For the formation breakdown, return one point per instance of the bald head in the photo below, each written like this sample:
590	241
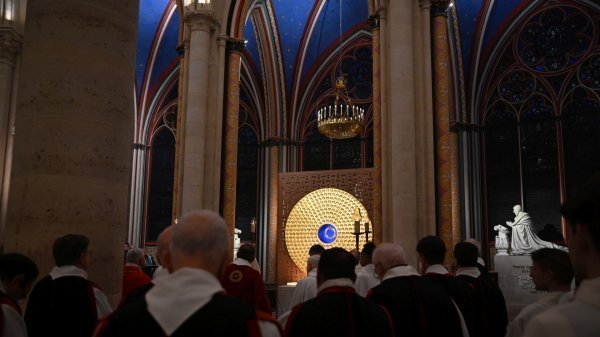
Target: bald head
200	240
388	255
162	248
135	256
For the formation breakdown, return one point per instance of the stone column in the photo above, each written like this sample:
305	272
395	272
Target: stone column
74	125
374	21
235	47
10	45
400	216
425	142
184	48
273	213
200	21
448	206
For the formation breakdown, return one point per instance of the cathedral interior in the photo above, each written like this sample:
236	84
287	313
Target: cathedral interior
117	117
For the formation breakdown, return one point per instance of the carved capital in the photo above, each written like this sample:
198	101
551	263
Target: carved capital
201	19
424	4
276	141
374	21
439	7
382	11
10	44
235	45
222	40
180	49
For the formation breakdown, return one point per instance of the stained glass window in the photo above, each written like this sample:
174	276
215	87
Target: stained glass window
539	155
315	151
160	196
581	138
502	162
542	115
247	181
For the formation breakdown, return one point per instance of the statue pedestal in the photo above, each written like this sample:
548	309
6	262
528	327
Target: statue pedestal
515	283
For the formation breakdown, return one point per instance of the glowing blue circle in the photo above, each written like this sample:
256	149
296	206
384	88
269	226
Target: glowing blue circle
327	233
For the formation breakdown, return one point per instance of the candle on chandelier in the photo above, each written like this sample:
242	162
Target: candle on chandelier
367	227
357	226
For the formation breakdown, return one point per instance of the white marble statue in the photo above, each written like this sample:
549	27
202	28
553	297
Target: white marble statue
524	240
501	240
236	241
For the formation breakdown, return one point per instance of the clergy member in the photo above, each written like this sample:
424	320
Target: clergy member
365	277
479	299
337	310
242	281
306	288
580	316
190	301
133	275
551	272
17	274
66	303
418	307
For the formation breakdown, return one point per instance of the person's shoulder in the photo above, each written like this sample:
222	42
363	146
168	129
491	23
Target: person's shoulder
549	322
137	294
306	281
231	308
131	317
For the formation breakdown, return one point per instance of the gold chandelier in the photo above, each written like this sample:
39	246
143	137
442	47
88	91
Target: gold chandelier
341	119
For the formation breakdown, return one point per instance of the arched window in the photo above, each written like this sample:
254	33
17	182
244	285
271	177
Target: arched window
246	205
160	195
542	115
318	151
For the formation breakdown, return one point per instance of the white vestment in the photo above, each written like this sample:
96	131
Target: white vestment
578	318
516	328
14	325
366	279
305	290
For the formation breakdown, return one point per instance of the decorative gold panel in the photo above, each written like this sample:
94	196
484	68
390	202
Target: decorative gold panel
295	186
326	206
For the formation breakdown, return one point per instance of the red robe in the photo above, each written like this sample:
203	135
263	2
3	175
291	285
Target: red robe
133	278
245	283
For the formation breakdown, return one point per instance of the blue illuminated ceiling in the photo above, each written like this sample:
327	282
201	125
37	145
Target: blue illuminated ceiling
158	32
308	29
480	24
313	25
252	46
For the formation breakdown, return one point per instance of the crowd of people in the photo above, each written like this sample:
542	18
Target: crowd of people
199	291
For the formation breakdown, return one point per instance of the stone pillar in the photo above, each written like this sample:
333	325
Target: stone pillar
448	204
425	142
10	45
200	22
235	47
399	188
374	21
183	48
74	125
273	213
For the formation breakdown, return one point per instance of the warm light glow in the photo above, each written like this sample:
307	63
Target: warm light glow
342	119
331	207
7	10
